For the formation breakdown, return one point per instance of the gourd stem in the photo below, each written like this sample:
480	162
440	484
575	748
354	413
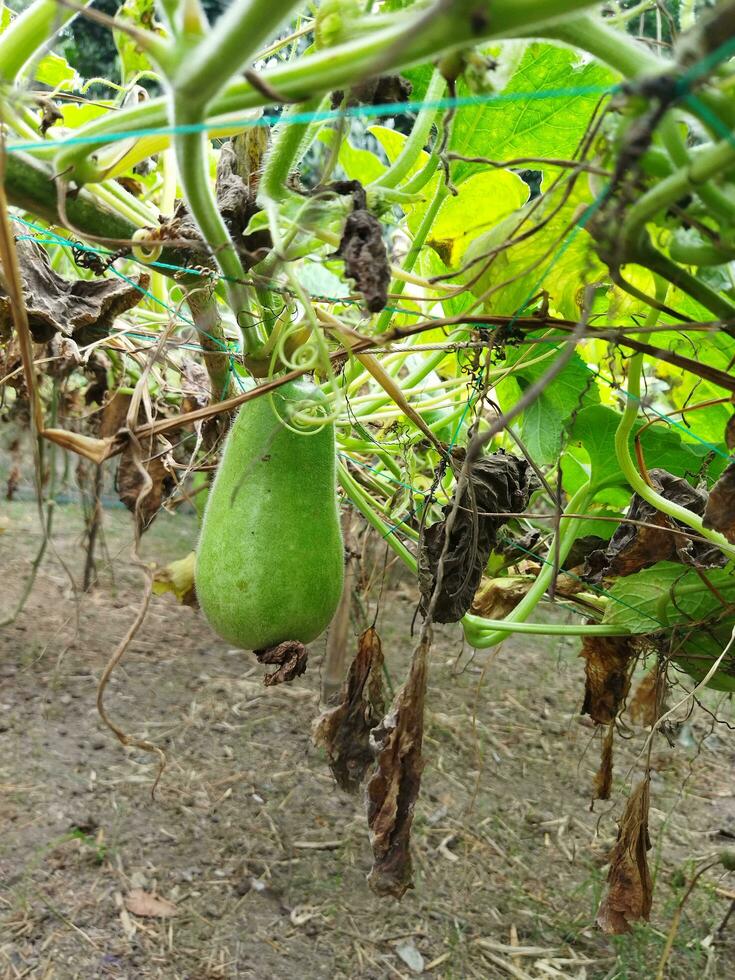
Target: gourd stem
397	286
193	165
418	137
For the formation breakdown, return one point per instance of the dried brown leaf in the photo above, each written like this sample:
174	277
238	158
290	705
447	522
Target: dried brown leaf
79	308
643	709
497	484
608	661
496	597
344	731
604	775
630	889
393	789
290	657
730	433
634	547
146	905
143	479
114	413
719	514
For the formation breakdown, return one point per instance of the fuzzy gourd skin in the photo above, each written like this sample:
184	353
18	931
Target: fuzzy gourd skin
270	561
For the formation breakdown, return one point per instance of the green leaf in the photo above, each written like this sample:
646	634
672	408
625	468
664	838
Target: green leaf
669	595
133	61
595	429
551	253
542	427
666	594
482	202
527	122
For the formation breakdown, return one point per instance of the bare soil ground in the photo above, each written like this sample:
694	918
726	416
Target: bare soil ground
264	859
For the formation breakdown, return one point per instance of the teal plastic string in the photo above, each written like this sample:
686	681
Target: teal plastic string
300	118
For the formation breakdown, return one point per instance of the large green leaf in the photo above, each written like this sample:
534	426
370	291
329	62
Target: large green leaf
551	253
542	426
595	427
669	595
527	121
482	202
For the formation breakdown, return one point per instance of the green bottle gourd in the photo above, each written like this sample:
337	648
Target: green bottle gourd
270	560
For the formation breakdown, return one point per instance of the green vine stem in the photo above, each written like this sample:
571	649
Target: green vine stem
417	139
680	277
226	48
482	633
628	467
397	286
453	26
685	180
29	32
193	165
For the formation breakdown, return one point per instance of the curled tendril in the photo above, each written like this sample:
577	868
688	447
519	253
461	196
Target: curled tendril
306	417
146	253
293	353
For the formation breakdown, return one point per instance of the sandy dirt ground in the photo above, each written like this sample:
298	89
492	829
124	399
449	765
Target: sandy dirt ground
252	864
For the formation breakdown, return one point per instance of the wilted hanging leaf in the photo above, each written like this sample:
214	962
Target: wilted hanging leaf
142	903
643	708
496	597
114	414
499	483
719	514
290	657
79	308
633	547
143	480
177	577
630	889
730	433
607	675
604	775
363	249
344	730
393	789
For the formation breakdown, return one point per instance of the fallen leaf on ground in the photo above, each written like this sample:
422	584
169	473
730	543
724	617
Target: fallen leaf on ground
149	906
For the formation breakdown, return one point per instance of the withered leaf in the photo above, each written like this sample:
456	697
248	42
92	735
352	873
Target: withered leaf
143	480
633	547
630	889
730	433
146	905
496	597
394	787
177	577
643	708
608	662
344	731
719	514
375	91
604	775
497	483
80	308
363	249
114	414
291	658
